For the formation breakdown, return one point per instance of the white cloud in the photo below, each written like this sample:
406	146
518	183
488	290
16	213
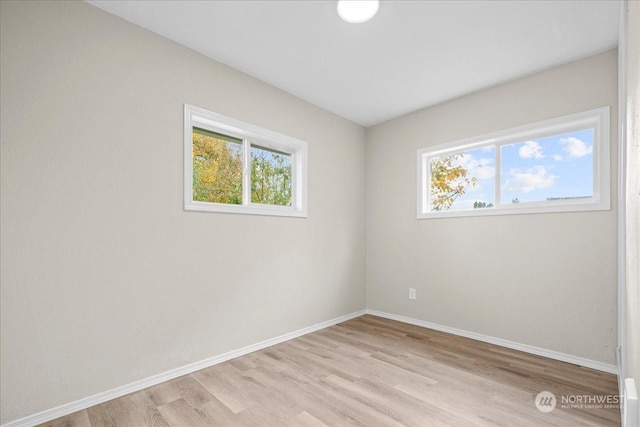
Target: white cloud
557	157
482	168
531	150
464	160
576	147
530	180
484	172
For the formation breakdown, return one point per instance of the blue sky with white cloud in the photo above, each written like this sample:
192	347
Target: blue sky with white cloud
559	166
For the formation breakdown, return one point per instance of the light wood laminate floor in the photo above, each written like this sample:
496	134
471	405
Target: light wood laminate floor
366	372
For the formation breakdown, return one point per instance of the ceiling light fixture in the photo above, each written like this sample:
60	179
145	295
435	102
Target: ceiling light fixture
357	11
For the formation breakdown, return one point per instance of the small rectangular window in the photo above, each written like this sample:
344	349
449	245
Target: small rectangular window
554	166
231	166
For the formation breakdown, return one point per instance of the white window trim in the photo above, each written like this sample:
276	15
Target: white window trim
250	134
598	119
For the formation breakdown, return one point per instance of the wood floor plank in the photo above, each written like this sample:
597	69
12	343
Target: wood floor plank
221	389
216	413
185	387
178	413
368	372
308	420
78	419
132	410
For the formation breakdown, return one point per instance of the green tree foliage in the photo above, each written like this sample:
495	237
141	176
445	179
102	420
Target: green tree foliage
270	177
217	169
448	181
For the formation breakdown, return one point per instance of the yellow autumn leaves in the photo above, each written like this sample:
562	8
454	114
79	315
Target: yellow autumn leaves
448	181
218	171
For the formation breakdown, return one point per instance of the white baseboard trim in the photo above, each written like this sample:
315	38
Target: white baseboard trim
69	408
588	363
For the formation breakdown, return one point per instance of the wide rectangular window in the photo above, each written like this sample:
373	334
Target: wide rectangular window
554	166
231	166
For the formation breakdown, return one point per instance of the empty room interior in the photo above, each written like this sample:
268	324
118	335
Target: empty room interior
277	213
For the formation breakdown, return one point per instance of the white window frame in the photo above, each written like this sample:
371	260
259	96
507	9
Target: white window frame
250	135
596	119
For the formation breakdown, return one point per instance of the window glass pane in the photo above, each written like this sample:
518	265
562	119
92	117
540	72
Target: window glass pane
270	176
463	180
217	168
558	167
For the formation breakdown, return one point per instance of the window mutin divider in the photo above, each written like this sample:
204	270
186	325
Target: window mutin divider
246	172
497	181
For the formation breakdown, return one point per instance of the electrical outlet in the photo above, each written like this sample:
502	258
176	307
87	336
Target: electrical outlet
412	293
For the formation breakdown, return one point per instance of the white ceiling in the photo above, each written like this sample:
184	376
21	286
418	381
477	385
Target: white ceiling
411	55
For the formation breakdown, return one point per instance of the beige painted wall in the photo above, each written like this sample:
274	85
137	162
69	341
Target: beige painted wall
545	280
105	278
